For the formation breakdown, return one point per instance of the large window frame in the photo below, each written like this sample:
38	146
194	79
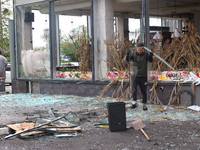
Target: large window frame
31	62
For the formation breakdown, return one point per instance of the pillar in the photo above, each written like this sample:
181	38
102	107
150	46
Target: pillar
126	28
26	30
103	30
120	26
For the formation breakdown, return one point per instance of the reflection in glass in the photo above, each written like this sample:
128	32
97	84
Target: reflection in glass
33	54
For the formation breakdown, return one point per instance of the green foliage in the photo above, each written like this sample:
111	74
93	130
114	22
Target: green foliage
8	59
6	15
69	45
67	49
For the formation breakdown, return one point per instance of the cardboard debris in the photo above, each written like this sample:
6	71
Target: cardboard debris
18	127
26	125
15	127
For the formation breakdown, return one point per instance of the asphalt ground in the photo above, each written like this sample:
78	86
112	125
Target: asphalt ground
167	127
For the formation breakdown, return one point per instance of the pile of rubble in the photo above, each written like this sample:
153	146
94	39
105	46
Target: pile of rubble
57	126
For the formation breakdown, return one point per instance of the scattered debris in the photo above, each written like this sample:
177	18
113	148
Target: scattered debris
194	107
101	125
20	127
27	129
90	110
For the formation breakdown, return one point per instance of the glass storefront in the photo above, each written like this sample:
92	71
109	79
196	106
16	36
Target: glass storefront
70	51
32	32
44	51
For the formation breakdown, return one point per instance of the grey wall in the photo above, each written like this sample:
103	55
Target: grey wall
93	89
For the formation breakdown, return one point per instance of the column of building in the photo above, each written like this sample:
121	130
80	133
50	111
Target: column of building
103	30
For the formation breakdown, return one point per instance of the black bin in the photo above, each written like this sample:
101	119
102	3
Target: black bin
116	116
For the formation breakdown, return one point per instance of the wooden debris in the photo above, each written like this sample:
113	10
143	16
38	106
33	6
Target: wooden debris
26	125
29	127
69	129
15	127
32	133
19	127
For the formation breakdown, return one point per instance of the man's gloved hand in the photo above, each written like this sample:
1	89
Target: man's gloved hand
150	54
128	51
